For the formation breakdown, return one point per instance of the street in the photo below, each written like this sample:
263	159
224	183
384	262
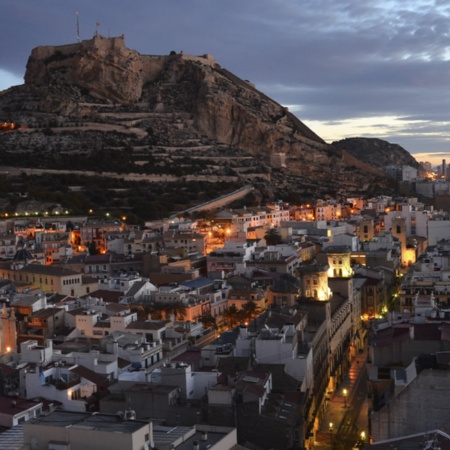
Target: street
349	414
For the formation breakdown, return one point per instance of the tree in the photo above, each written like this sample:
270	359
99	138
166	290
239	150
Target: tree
231	316
177	309
249	311
143	310
93	249
209	321
157	310
273	236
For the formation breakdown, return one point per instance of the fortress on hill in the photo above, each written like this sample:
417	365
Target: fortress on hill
104	66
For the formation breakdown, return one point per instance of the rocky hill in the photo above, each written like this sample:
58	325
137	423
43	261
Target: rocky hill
175	125
376	152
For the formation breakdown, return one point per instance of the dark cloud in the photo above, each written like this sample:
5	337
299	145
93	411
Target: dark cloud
329	61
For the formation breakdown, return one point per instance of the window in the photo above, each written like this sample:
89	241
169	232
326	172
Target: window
75	395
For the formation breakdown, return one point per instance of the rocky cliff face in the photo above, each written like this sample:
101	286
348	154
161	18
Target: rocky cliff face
172	114
376	152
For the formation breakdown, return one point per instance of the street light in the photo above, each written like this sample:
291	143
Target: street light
345	393
331	428
363	439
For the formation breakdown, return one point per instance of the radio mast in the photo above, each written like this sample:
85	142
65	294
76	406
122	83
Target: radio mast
78	28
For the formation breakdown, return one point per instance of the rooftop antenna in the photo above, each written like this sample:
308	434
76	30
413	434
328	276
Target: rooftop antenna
78	28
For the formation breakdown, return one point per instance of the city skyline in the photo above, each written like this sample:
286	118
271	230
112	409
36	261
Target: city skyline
345	70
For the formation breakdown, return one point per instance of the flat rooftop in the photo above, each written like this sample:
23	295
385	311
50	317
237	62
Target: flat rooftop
183	438
103	422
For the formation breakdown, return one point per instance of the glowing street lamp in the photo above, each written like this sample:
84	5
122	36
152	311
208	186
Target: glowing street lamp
345	393
363	439
331	428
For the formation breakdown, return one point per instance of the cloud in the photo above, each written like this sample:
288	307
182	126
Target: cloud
332	62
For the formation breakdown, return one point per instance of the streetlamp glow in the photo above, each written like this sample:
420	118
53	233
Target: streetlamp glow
345	393
363	439
331	428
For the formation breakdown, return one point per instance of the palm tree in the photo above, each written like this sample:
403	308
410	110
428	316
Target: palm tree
249	311
142	310
231	316
273	236
157	310
177	309
209	321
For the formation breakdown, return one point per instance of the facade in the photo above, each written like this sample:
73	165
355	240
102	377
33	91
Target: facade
190	241
314	281
57	279
285	291
339	261
366	229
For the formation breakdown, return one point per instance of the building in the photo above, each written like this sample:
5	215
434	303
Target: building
84	431
15	410
57	279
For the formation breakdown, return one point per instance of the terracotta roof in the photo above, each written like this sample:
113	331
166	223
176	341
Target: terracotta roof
389	335
427	331
147	325
53	270
233	364
190	356
446	331
6	370
14	405
90	375
107	296
48	312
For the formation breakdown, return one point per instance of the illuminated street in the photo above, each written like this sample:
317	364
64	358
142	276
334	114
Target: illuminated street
347	413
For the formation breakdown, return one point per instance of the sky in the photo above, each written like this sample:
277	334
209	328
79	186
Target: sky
345	68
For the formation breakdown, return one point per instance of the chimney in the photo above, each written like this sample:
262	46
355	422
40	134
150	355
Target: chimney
243	332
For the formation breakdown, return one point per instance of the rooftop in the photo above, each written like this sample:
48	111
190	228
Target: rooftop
102	422
416	441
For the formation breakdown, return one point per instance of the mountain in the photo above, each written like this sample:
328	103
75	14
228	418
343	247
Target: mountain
160	133
376	152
